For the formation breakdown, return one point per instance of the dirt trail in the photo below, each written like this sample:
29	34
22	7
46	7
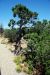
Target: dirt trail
6	62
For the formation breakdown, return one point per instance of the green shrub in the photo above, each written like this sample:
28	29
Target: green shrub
39	50
22	65
18	68
10	34
1	30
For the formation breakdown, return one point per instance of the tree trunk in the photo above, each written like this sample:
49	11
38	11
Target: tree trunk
18	41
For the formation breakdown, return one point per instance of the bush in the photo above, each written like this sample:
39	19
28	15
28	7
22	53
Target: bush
1	30
18	59
10	34
18	69
21	65
38	52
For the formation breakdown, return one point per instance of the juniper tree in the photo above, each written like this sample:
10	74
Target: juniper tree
25	16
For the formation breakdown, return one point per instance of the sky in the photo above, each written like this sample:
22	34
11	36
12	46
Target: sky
42	7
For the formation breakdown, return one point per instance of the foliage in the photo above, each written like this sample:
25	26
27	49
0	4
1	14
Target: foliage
21	65
19	59
1	29
38	27
10	34
23	13
38	49
11	23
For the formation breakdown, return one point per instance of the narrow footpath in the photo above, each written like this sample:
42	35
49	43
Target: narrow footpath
7	66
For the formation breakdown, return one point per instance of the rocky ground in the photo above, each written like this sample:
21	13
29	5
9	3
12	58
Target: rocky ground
7	65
